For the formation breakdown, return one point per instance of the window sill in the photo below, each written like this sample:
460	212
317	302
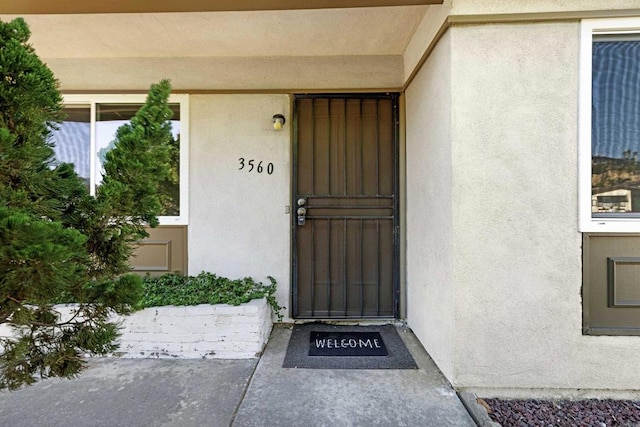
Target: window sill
610	226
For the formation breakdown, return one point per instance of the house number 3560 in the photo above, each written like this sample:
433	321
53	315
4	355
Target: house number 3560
255	166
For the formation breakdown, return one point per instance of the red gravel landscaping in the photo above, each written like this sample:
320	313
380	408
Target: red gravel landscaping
560	413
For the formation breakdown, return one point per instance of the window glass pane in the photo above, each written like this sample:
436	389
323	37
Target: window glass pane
109	117
73	140
615	133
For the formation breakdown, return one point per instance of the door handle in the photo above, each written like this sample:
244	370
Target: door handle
302	211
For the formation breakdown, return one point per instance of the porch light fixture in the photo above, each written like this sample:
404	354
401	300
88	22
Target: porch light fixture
278	121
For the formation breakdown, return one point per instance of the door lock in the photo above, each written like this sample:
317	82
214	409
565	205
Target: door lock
302	211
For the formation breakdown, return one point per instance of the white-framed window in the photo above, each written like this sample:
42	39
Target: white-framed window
609	126
88	133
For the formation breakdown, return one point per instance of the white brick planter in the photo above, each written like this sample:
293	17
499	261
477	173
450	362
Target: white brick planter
202	331
188	332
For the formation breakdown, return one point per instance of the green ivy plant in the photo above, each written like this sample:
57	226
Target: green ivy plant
207	288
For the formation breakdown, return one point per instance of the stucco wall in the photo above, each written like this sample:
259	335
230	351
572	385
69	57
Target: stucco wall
517	251
230	73
424	35
470	7
238	225
429	256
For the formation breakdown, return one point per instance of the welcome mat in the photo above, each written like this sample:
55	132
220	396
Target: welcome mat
346	344
335	352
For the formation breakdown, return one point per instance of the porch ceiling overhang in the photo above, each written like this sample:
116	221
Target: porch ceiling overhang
161	6
277	49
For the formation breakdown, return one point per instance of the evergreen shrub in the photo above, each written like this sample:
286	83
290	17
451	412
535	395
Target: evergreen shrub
56	240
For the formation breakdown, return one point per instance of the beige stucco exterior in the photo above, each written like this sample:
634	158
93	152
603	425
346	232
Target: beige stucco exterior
429	212
225	74
507	262
517	258
502	135
239	224
492	265
353	48
472	7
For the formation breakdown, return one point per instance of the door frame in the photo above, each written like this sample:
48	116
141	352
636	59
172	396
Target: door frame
395	97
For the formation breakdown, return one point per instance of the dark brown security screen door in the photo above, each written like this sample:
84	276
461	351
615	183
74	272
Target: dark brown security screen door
345	261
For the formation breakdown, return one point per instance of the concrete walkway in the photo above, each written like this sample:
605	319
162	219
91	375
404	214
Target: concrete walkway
150	392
